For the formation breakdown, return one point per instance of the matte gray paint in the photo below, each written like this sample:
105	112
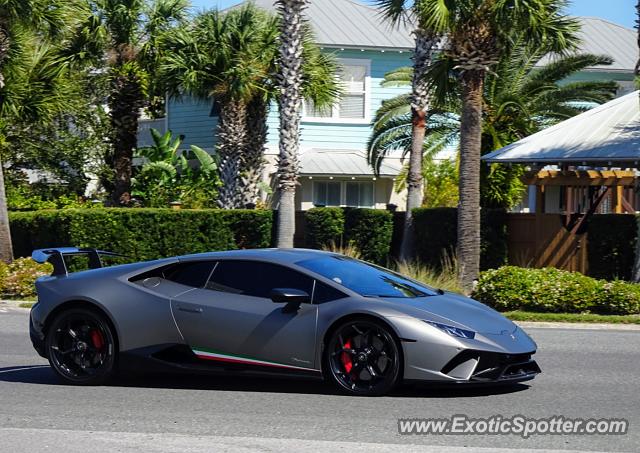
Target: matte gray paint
171	313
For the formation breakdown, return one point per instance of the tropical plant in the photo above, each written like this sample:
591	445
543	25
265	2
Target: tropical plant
171	174
441	188
123	36
25	58
425	41
519	99
478	33
231	58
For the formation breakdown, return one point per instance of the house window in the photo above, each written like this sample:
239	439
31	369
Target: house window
357	194
326	193
352	105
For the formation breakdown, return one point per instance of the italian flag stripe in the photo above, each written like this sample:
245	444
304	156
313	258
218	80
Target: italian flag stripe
208	354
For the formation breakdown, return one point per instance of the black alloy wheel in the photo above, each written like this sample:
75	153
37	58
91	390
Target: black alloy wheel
363	358
81	347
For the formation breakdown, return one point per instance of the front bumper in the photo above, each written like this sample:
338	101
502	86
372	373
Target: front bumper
491	367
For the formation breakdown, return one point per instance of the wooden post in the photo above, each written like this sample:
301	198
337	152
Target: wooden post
618	195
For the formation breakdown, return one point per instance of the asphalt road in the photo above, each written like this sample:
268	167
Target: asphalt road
586	374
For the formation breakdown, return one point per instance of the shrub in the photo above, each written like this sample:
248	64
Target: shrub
142	234
611	245
553	290
17	279
369	230
436	235
324	226
445	278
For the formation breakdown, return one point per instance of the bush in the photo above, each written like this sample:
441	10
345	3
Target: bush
370	232
17	279
611	245
436	233
552	290
324	227
141	234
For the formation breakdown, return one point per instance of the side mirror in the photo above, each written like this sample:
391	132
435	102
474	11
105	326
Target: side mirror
291	296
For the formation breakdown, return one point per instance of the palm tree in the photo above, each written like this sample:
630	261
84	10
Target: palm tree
19	19
478	33
425	42
519	99
231	57
124	36
290	102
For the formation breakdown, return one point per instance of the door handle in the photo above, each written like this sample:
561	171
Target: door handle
190	309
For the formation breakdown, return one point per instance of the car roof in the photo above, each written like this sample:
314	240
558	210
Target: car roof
274	255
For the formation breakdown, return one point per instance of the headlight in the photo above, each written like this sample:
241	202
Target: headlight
453	331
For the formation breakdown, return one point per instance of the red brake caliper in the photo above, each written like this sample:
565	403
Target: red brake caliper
97	339
345	357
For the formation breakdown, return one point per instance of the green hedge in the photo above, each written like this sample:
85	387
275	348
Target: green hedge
142	234
324	226
552	290
611	245
436	235
369	230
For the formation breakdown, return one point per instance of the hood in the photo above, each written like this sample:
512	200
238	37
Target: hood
458	309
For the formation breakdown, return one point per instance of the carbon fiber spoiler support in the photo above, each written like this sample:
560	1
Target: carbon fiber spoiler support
55	256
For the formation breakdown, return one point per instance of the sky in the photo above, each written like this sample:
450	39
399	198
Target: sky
619	11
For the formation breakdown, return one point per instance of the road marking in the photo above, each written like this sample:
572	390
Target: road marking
19	440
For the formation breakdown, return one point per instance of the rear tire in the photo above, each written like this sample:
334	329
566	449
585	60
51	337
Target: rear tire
81	347
363	357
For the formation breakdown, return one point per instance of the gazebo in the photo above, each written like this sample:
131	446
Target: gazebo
585	165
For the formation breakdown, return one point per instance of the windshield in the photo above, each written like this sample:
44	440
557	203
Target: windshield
366	279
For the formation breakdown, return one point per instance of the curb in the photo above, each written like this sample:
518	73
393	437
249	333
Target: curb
579	326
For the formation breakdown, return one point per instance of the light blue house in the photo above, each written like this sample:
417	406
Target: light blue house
333	144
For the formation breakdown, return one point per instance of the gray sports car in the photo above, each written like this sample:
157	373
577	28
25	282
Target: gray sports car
362	327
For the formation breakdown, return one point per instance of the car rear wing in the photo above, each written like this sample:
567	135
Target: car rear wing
55	256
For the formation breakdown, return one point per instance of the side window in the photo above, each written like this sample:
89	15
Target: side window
325	293
254	278
193	273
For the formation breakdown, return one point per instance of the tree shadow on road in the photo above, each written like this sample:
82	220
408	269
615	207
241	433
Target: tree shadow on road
44	375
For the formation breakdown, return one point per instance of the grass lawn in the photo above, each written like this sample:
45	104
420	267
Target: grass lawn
572	317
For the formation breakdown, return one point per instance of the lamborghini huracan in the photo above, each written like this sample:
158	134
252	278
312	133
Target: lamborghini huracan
361	327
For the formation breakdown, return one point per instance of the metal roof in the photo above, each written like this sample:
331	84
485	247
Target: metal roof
346	23
607	135
342	163
601	37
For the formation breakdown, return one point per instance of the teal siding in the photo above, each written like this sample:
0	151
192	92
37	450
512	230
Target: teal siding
190	117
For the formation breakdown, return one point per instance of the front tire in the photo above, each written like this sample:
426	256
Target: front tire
363	357
81	347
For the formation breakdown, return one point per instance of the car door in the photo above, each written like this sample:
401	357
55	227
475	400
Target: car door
232	319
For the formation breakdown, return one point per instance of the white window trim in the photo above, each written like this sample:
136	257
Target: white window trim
343	192
334	118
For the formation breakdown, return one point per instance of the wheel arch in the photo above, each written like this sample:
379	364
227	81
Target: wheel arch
361	316
86	304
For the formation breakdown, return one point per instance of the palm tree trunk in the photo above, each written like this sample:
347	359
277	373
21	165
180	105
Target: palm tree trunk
424	42
468	250
232	139
6	248
253	159
125	101
290	101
